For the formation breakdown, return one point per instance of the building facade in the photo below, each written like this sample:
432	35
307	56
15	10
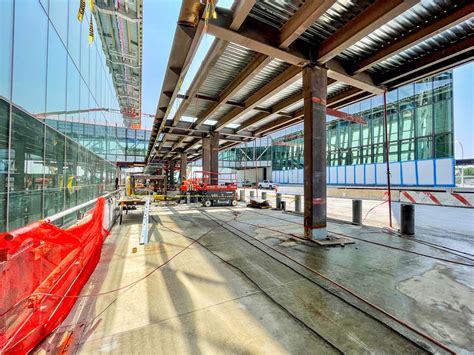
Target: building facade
112	142
56	96
420	136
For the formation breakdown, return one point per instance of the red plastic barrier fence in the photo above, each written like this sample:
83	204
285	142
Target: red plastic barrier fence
42	270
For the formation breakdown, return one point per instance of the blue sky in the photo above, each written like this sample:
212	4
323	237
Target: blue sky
159	25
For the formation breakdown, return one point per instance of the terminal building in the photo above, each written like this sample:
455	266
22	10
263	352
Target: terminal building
420	135
302	184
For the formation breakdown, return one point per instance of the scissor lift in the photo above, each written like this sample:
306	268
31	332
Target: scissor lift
212	189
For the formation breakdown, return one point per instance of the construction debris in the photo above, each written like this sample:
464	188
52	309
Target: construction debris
259	203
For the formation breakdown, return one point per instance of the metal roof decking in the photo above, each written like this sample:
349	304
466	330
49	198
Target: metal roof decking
367	46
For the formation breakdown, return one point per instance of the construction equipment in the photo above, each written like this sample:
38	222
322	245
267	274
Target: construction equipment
211	189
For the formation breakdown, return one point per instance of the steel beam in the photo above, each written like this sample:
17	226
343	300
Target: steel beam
288	77
426	31
361	81
369	20
251	39
253	68
441	59
241	9
315	91
306	15
185	42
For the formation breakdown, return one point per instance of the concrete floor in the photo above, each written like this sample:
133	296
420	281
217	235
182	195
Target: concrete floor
231	294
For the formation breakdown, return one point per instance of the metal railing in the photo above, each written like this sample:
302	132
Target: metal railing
110	212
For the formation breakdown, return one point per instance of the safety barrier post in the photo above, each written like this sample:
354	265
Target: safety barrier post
297	203
357	212
407	216
242	195
146	218
278	201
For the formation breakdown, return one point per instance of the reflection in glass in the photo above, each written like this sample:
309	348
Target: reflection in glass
57	59
29	76
6	27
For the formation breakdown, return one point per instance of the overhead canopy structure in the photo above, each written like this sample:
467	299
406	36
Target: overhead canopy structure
120	28
250	85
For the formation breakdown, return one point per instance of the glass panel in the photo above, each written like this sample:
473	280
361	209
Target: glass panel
85	49
367	155
393	152
444	146
84	102
74	40
73	88
424	148
443	86
57	59
71	173
443	116
54	173
379	153
4	113
6	27
407	125
44	3
27	170
378	131
392	127
58	14
406	95
424	92
355	135
407	150
424	121
29	76
343	134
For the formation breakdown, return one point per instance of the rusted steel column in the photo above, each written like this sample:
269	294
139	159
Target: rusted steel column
206	158
171	174
315	90
214	159
184	166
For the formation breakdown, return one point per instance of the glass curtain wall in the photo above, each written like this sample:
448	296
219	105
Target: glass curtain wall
419	122
116	144
49	69
262	152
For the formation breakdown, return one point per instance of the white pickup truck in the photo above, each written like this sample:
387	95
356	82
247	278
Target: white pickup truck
266	184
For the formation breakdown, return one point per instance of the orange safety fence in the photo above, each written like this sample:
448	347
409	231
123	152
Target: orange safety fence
42	271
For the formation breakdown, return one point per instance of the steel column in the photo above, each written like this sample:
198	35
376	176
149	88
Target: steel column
171	174
214	158
184	166
315	92
206	156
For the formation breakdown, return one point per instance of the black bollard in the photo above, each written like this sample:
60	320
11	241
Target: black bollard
407	216
298	203
278	201
357	212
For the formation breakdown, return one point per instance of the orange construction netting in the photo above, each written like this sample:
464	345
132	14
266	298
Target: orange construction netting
42	270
